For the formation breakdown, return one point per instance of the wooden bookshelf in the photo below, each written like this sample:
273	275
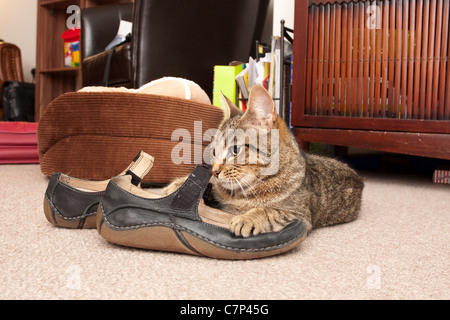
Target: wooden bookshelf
52	77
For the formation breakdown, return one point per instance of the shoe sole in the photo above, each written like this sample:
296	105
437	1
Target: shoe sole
88	222
162	238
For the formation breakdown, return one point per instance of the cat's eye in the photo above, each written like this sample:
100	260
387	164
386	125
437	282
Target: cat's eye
234	150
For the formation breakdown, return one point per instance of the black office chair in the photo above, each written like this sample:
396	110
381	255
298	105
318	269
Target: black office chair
181	38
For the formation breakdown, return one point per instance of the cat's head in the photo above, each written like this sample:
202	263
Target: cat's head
246	143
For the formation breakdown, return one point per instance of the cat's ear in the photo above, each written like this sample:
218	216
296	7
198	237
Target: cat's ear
261	109
229	109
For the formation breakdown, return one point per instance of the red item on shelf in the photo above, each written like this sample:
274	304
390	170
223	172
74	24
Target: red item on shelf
71	47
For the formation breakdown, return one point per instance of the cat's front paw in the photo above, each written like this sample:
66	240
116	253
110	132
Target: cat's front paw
252	222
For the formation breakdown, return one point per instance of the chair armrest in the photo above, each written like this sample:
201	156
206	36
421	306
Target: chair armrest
99	26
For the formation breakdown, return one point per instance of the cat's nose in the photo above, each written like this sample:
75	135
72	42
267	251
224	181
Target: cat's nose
216	169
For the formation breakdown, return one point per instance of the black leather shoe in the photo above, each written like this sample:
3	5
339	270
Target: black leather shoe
72	203
181	222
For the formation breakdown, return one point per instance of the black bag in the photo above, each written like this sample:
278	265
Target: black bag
18	101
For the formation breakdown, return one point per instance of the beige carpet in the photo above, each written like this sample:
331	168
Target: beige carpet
399	248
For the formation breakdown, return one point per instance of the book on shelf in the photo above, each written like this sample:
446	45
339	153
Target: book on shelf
235	82
242	83
225	82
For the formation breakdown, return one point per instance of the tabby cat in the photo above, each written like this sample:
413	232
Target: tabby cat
267	181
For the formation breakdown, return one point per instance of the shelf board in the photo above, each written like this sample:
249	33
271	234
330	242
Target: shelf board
56	4
66	70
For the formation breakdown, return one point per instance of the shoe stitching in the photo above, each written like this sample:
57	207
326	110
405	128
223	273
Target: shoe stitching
178	227
174	194
70	218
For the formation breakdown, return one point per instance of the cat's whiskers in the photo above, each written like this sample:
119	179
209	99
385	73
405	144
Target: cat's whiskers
242	189
229	186
232	187
253	177
250	188
260	180
244	184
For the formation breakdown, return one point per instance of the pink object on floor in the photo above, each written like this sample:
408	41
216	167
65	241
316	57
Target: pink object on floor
441	176
18	142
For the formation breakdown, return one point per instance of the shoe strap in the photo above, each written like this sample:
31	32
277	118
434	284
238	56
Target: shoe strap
191	192
140	167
